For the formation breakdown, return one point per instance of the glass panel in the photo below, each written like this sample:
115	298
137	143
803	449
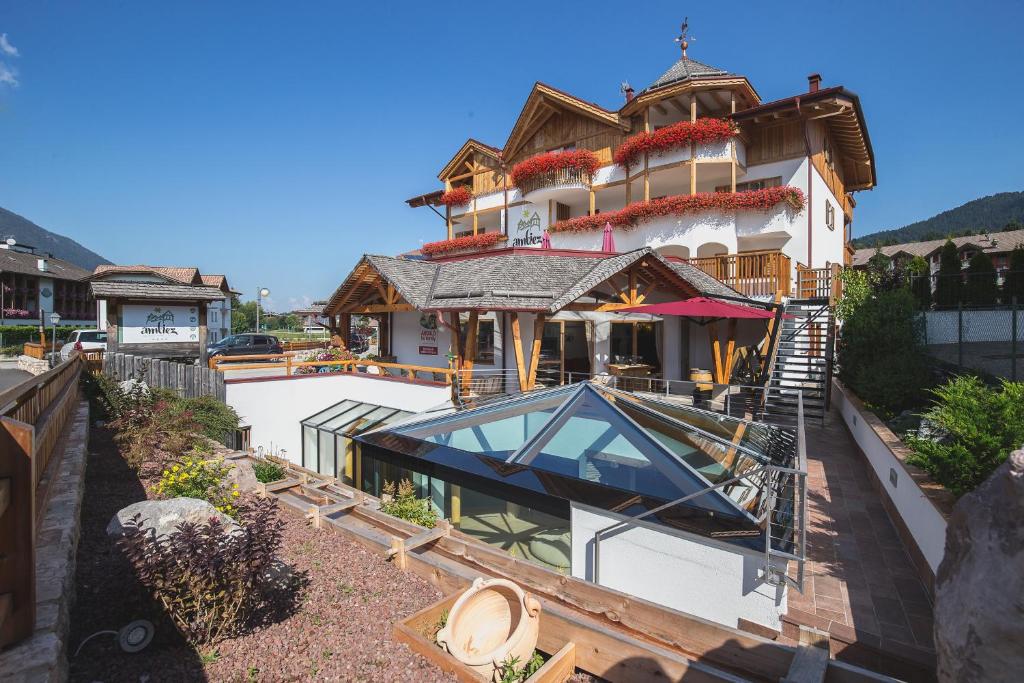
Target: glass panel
647	335
309	448
342	419
359	423
345	454
328	412
498	438
621	342
326	454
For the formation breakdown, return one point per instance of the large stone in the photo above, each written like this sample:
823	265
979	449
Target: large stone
241	473
979	610
163	516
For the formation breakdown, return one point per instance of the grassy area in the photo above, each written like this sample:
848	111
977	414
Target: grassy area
285	335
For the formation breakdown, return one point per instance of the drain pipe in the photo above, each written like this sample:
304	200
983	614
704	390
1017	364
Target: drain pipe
810	188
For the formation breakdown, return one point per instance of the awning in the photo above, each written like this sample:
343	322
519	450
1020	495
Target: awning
703	310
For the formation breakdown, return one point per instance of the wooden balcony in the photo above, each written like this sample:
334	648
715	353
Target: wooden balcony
753	273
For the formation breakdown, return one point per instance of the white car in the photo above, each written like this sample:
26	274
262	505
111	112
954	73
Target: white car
84	340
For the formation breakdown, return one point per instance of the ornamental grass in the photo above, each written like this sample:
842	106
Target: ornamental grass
640	212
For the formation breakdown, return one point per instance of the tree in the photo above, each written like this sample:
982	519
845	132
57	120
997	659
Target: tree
948	286
1014	284
243	315
982	288
920	282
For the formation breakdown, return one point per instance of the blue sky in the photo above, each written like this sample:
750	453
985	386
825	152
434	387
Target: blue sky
276	142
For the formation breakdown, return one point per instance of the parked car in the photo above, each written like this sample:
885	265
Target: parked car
245	345
84	340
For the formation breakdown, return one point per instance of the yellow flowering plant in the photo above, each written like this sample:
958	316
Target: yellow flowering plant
203	478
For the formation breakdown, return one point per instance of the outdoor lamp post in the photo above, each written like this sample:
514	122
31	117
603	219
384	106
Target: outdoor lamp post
263	292
54	320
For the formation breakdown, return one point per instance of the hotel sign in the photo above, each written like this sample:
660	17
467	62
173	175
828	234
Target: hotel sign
143	324
428	334
529	230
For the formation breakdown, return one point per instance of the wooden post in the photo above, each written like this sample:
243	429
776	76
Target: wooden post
469	356
716	348
647	172
202	333
538	334
112	305
732	169
345	329
730	346
476	223
593	203
693	146
517	345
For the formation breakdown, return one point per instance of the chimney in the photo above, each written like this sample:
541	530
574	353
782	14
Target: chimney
42	265
814	82
627	90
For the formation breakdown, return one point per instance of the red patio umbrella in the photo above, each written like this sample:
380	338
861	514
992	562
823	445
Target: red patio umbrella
545	240
608	243
704	310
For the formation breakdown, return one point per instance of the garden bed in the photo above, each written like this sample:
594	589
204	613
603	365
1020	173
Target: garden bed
340	631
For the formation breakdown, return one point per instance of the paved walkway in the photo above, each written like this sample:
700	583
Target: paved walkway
861	584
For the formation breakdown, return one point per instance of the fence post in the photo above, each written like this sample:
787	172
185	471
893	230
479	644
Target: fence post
960	333
1013	339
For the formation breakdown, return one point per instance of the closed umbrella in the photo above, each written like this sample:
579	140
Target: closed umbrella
608	243
545	241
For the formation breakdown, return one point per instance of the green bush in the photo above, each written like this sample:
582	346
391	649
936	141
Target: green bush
880	352
1014	284
267	471
920	282
17	335
215	419
981	427
949	283
981	287
405	505
202	478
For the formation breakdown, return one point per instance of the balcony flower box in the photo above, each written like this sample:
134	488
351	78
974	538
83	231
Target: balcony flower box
467	243
677	205
569	167
457	196
673	137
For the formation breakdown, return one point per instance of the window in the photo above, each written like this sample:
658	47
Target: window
98	337
484	341
562	212
635	341
827	149
751	185
830	215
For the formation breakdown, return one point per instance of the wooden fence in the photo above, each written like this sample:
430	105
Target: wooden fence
32	416
186	380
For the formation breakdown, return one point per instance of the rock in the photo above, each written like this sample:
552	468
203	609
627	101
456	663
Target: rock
129	385
979	614
164	516
242	474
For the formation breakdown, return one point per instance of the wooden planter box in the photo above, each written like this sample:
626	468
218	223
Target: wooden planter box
37	351
417	631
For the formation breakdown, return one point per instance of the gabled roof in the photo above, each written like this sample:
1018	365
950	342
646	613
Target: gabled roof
684	70
994	243
510	279
187	275
26	263
112	289
543	101
468	147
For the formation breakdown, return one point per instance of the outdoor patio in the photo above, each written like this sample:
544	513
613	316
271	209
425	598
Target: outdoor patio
861	585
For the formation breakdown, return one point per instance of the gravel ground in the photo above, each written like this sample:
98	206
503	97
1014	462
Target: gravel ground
341	631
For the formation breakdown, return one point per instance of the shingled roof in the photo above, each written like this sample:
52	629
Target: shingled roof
684	70
187	275
993	243
514	279
12	261
113	289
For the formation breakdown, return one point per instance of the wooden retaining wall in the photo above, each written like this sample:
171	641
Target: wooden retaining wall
186	380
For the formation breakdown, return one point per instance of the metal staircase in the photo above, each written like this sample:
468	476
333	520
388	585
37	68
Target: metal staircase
803	360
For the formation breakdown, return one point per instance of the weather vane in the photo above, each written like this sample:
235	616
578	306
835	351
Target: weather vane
682	39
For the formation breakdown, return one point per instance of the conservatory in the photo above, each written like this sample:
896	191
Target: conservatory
520	471
327	435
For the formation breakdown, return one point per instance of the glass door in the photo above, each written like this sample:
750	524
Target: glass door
564	352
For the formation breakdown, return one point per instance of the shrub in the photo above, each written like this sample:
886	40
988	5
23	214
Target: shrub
981	288
949	281
981	427
267	471
920	282
150	433
510	672
880	353
214	418
213	584
856	290
195	477
1014	284
405	505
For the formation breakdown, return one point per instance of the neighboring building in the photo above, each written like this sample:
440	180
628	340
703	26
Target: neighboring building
156	311
218	313
35	281
997	245
313	318
796	161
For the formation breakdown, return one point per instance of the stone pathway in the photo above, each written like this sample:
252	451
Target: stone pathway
861	585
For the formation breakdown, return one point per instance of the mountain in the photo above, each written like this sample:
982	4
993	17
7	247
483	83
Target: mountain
28	233
996	213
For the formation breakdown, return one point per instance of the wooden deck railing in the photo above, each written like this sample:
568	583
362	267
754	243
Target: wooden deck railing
818	283
32	416
754	273
283	361
563	176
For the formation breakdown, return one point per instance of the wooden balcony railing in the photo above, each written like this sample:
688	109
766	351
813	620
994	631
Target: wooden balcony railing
564	176
818	283
753	273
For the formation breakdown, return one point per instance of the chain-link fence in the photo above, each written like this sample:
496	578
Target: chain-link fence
989	339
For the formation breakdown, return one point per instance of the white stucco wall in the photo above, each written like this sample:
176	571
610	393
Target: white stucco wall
275	407
692	574
919	514
408	336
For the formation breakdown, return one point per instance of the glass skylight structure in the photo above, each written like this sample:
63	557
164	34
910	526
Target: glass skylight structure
327	435
590	444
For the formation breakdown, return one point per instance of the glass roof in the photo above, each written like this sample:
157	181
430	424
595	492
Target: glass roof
349	417
598	435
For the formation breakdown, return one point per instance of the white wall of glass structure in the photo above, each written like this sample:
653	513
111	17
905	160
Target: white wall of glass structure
694	574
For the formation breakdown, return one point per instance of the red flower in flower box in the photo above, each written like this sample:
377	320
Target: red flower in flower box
481	241
533	172
672	137
641	212
457	196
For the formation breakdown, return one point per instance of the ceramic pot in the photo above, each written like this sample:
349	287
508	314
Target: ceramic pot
492	622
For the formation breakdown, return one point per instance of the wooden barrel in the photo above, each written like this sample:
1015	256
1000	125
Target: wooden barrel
702	377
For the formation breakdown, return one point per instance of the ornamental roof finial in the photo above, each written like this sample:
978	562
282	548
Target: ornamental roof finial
682	39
